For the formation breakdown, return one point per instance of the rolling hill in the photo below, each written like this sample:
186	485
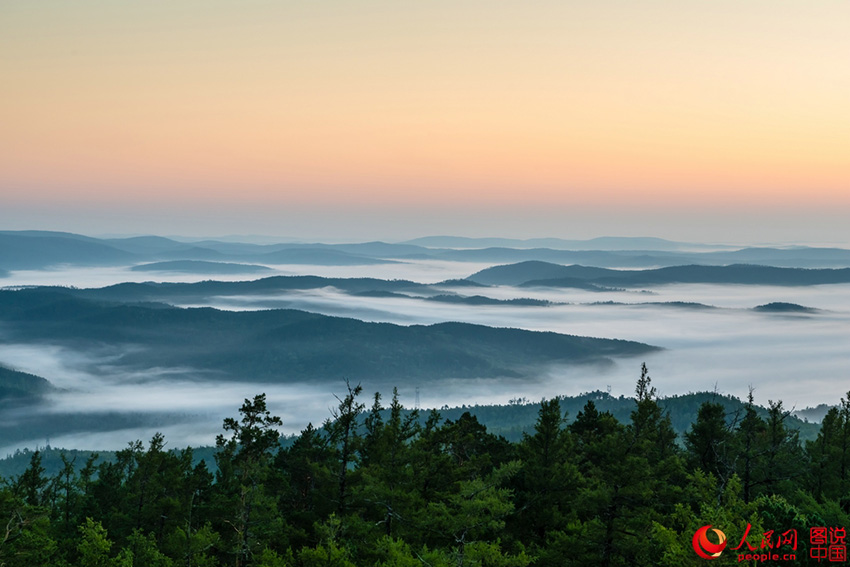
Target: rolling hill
200	267
557	275
18	386
289	345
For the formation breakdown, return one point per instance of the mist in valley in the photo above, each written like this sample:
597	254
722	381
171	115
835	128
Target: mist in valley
712	340
719	342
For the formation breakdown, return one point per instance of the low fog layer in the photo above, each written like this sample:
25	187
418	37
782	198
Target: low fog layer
801	359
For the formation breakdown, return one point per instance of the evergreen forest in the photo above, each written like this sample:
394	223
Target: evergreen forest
378	485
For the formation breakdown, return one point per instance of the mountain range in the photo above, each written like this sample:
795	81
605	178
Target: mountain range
545	274
30	250
288	345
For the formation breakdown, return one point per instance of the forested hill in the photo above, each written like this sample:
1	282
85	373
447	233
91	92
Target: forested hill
380	486
288	345
26	250
512	421
200	266
534	273
169	291
517	418
18	386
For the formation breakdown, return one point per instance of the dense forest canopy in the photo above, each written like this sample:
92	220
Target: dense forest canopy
381	485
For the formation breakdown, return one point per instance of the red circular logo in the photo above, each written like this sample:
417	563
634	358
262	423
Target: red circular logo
705	548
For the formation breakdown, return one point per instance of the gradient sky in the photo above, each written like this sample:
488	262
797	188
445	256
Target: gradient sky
722	120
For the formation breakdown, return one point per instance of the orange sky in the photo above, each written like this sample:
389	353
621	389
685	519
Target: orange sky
661	103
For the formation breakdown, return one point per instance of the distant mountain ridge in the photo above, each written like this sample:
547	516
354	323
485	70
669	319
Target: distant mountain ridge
29	250
783	307
32	250
795	258
599	243
522	272
20	386
288	345
556	275
168	291
200	267
22	252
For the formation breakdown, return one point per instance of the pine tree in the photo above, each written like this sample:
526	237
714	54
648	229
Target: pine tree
387	486
306	480
243	461
710	444
750	435
830	454
344	435
631	475
32	482
548	481
94	546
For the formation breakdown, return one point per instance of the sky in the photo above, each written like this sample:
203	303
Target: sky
339	120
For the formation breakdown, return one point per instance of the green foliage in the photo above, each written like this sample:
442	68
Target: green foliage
710	443
386	485
32	483
94	545
477	510
193	546
330	552
672	540
306	483
270	558
141	550
829	472
548	481
490	554
25	535
391	488
343	435
244	460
